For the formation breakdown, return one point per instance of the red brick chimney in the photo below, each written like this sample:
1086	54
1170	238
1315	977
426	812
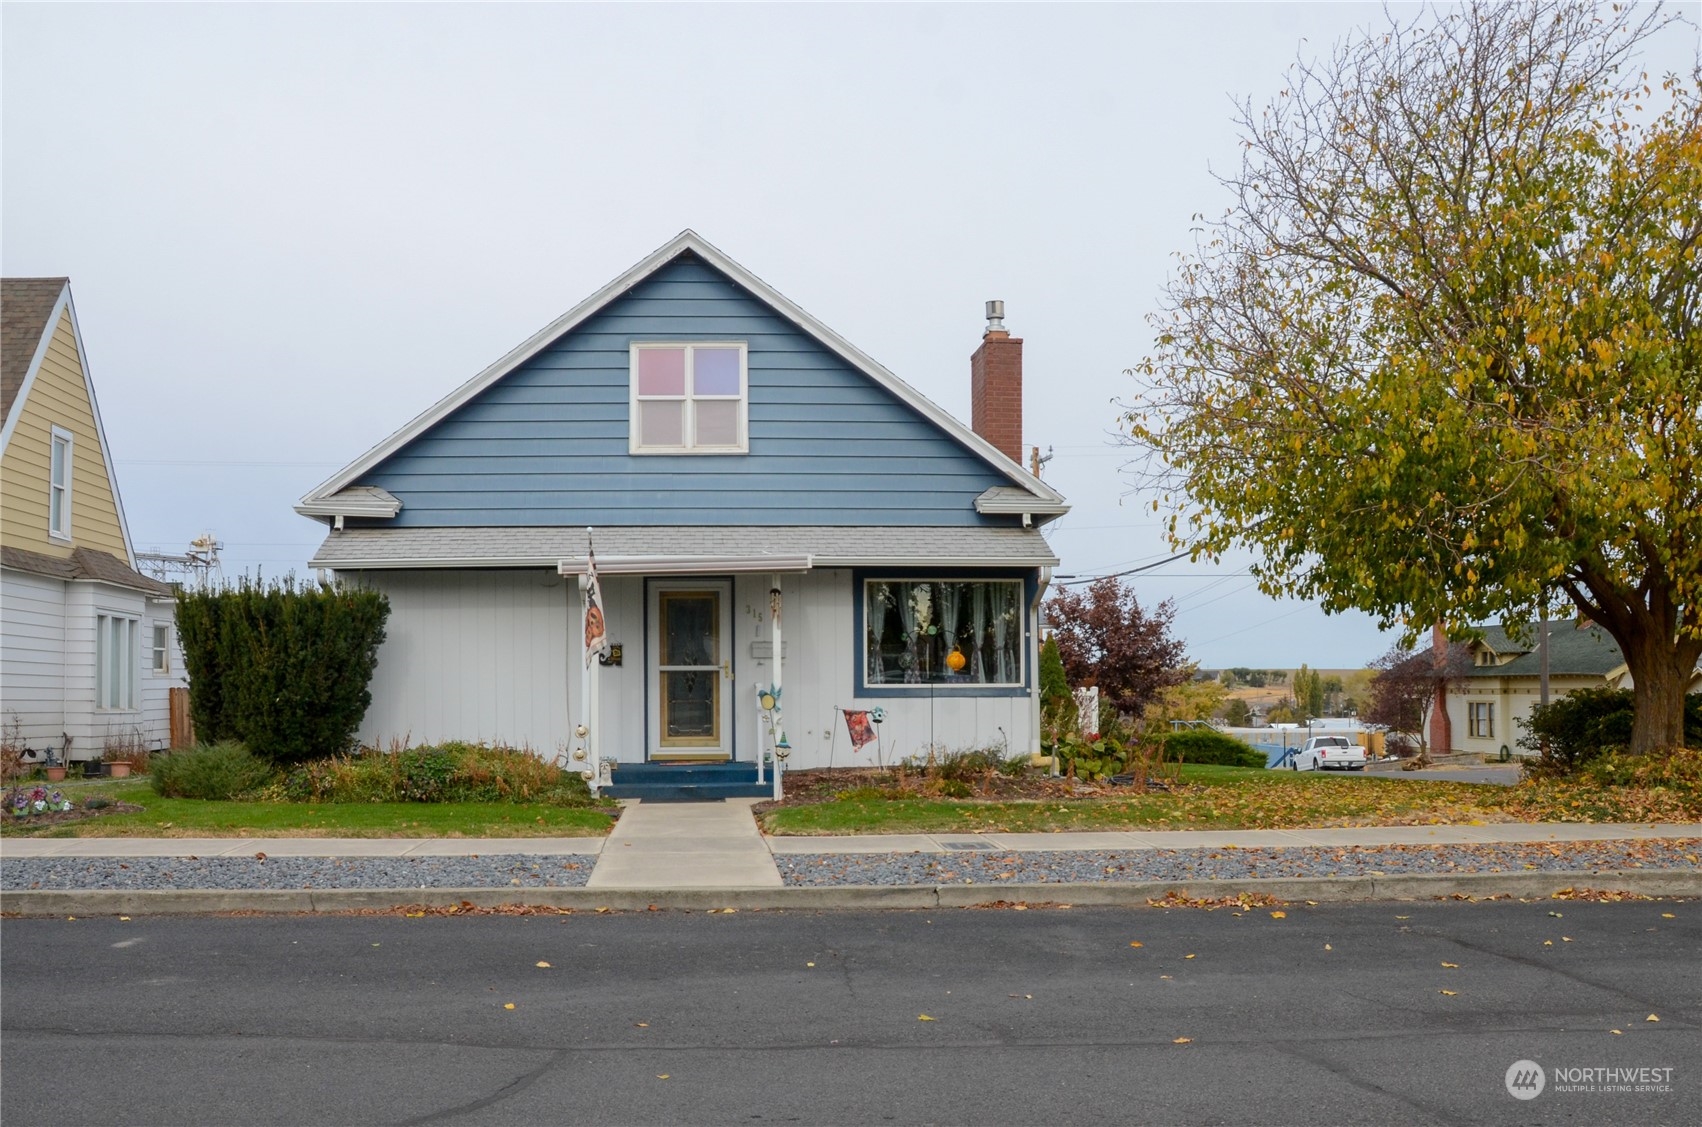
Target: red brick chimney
1441	727
995	386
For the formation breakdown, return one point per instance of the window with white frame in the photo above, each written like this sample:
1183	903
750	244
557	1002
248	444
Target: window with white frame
690	398
1481	719
161	648
115	661
59	484
943	632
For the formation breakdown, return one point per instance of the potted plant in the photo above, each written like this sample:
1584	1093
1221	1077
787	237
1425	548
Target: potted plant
124	754
53	767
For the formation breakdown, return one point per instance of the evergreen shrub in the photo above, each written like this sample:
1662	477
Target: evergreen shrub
280	668
216	772
1197	745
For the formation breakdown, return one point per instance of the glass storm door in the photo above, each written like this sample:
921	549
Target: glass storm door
690	671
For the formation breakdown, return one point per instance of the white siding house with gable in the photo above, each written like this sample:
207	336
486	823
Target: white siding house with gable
722	444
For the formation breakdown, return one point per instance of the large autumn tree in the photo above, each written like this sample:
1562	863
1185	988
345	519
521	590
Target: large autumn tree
1441	358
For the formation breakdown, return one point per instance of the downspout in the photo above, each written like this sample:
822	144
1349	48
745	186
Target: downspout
1034	661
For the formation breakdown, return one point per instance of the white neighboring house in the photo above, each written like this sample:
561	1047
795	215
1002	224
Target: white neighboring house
724	444
88	648
1488	708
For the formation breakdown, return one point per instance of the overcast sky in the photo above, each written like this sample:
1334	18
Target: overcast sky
289	229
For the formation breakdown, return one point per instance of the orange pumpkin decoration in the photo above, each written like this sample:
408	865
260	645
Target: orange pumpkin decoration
955	661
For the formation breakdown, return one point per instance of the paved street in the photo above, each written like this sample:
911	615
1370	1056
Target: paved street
1338	1013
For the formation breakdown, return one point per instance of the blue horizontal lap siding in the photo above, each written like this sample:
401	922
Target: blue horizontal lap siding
547	444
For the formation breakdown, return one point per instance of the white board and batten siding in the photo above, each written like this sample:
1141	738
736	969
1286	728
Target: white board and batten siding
480	656
495	656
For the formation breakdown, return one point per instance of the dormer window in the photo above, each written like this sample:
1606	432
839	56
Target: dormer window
690	398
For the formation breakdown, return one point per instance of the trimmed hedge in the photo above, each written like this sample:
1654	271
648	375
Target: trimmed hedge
1197	745
281	669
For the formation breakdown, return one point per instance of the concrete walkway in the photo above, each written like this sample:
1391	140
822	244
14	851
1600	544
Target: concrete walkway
674	845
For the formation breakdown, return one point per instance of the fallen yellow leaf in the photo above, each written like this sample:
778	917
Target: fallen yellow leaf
661	1076
1327	947
1617	1032
1187	956
1565	939
1652	1017
642	1024
123	917
1450	993
1548	943
1136	943
1183	1041
1668	916
1452	966
1279	915
923	1017
809	964
541	963
508	1005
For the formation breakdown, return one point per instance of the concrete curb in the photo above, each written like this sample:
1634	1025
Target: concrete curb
1132	894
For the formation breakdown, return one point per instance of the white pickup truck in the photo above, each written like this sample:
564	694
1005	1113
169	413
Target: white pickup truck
1324	752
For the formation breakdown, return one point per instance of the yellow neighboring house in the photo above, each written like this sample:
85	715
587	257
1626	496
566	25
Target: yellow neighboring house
88	650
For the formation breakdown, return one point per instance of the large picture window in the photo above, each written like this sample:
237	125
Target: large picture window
689	398
913	628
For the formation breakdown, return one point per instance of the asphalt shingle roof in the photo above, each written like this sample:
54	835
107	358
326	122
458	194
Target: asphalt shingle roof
87	564
1571	650
831	545
25	305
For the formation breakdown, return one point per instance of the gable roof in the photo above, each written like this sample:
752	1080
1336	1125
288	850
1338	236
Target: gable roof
1574	650
1048	501
39	304
27	306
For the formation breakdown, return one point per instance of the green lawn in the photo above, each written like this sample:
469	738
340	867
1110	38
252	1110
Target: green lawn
186	817
1238	798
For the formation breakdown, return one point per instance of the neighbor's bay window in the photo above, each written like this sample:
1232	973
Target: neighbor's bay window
689	398
913	627
115	661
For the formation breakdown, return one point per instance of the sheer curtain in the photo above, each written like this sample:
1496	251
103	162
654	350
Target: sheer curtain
874	616
948	622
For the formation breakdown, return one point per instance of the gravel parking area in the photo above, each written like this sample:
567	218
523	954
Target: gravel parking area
831	869
131	873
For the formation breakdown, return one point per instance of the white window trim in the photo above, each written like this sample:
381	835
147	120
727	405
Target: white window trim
159	656
129	670
688	423
57	435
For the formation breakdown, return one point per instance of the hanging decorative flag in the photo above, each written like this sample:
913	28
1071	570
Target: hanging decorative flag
862	732
596	631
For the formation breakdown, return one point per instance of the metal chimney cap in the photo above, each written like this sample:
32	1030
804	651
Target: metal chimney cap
995	316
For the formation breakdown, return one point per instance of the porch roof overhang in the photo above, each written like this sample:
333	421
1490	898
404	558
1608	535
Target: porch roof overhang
685	565
750	548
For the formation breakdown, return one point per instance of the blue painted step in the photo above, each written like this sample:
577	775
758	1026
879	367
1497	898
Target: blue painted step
686	782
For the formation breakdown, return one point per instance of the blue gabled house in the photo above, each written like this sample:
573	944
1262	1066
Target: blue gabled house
724	445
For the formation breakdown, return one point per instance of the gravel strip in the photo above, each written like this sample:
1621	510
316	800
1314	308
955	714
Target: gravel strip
128	873
817	870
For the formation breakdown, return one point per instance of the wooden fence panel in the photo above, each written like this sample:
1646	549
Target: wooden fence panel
182	727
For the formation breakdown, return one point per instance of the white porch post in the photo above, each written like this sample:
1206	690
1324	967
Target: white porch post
780	746
587	729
